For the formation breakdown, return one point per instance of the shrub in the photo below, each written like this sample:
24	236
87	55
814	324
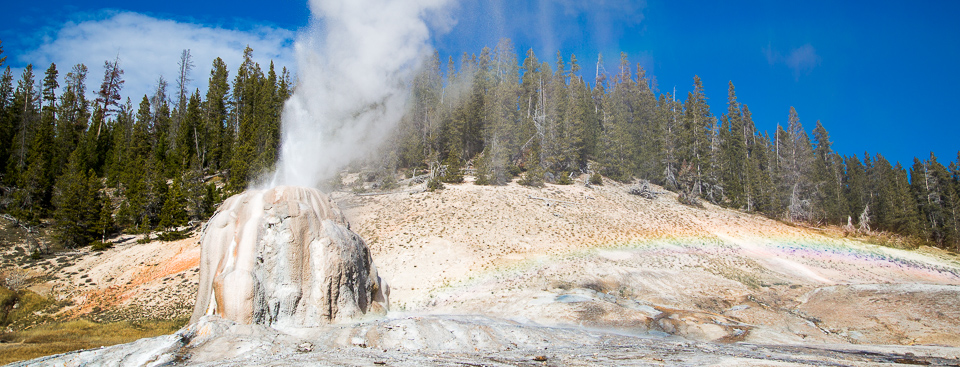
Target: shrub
434	184
596	179
533	177
513	170
100	246
171	236
453	173
15	279
689	199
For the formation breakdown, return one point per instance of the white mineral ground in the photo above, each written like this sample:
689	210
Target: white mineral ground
577	275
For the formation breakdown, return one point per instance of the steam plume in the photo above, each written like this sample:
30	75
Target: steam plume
354	65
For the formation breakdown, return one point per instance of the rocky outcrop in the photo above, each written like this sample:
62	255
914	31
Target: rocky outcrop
285	258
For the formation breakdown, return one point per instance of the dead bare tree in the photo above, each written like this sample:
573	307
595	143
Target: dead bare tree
865	220
15	279
183	78
109	94
644	189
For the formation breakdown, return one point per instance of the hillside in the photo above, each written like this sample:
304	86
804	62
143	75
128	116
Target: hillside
599	257
588	257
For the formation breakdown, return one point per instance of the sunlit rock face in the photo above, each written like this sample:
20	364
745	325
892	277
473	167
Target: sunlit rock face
285	257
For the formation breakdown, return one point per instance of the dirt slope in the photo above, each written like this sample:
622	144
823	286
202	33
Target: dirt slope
131	281
600	257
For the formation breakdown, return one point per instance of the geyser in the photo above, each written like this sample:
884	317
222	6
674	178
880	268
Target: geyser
355	65
285	257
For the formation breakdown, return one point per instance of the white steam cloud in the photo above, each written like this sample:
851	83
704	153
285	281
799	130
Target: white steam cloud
354	67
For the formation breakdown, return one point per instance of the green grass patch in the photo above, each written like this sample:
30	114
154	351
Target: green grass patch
62	337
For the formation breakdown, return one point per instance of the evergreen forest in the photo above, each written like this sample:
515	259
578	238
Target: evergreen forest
90	169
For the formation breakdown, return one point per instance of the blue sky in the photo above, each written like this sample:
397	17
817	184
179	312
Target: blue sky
881	76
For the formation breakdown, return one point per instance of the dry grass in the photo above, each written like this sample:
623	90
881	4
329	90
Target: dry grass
55	338
19	307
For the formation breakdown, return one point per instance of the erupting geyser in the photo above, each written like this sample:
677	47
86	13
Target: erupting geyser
354	68
285	257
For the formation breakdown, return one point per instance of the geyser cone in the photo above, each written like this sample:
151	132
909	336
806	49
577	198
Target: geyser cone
285	257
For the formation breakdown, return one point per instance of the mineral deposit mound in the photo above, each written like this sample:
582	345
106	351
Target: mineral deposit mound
286	257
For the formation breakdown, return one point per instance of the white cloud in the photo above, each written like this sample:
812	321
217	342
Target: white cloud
149	47
802	60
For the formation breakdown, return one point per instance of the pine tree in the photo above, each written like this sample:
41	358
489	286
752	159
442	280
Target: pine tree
174	213
269	106
796	166
955	171
472	112
119	156
452	122
500	114
530	128
427	91
554	114
881	192
649	154
696	137
453	173
219	133
72	116
33	197
188	139
890	200
827	179
24	111
762	170
132	211
246	98
159	123
7	126
671	123
942	207
750	173
856	187
598	97
906	222
77	204
620	130
734	153
579	121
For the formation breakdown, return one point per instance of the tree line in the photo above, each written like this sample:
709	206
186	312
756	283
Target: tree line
98	167
91	168
542	122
